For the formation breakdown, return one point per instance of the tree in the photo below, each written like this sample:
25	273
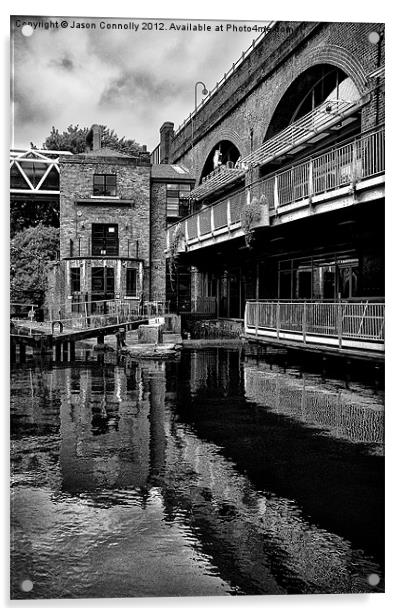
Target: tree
74	140
29	213
31	252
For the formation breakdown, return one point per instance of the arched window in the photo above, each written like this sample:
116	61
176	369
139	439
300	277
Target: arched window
310	89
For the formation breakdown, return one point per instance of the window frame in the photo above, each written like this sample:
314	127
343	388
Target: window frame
103	191
131	291
176	195
100	245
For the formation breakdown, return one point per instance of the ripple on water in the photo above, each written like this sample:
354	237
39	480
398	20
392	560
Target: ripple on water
123	485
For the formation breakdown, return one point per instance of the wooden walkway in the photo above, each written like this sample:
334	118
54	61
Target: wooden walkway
37	337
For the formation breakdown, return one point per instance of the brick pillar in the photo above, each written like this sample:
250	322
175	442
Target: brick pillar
166	138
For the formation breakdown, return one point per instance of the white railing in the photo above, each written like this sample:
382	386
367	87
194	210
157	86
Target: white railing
341	166
316	121
344	323
79	315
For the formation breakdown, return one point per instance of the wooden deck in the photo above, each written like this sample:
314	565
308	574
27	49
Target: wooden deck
37	337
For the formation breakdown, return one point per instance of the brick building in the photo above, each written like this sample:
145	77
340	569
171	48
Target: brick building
113	214
288	156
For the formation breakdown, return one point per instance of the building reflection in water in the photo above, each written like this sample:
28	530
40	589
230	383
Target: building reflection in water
349	415
115	437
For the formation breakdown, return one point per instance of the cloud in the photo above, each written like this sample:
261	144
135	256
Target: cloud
63	63
130	81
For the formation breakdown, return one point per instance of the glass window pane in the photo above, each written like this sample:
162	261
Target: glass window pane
131	281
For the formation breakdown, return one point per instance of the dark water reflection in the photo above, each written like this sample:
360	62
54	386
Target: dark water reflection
209	475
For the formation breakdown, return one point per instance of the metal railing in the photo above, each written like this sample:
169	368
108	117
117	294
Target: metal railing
82	247
316	121
81	313
155	155
204	305
341	166
22	311
360	321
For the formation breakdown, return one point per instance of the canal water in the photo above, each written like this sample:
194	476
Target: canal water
212	474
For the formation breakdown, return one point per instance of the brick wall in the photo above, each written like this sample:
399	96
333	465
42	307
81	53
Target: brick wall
249	97
55	290
158	244
133	184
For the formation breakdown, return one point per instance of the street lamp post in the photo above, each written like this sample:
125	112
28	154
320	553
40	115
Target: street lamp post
204	92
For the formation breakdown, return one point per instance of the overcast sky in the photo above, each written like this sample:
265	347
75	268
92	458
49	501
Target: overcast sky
131	81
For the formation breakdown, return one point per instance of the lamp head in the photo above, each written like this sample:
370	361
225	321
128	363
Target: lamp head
204	91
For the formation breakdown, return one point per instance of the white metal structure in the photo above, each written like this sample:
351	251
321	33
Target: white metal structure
350	325
309	129
326	182
35	172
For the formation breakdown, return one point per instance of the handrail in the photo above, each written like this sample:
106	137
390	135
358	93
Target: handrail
348	161
314	122
342	321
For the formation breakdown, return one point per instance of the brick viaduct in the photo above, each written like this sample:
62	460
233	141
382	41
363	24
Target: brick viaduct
246	101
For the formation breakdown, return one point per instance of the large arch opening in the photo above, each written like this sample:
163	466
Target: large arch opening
223	153
323	83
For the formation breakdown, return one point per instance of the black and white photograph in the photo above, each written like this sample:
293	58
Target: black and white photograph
197	307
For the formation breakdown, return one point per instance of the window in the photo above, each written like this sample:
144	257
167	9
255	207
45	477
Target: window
75	280
177	200
131	281
105	185
103	282
104	240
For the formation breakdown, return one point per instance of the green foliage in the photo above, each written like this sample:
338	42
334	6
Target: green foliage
173	254
74	140
250	215
31	213
31	252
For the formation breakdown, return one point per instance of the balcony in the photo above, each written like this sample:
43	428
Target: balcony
219	177
348	326
81	248
309	129
322	183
